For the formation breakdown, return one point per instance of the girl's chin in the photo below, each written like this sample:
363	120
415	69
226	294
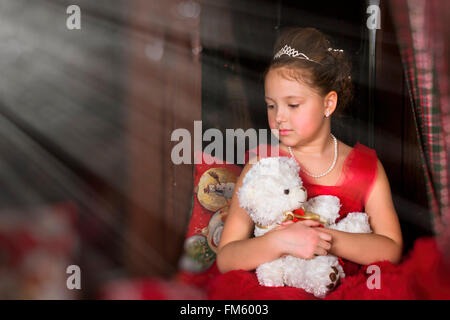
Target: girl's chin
288	138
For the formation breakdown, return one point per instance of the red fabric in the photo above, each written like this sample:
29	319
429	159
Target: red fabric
423	275
198	280
244	285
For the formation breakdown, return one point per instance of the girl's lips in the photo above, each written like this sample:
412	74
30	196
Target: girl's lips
284	132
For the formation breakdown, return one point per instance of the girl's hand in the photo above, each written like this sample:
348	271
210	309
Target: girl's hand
302	239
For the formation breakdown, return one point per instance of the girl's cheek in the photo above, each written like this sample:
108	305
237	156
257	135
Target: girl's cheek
272	124
300	122
271	120
303	124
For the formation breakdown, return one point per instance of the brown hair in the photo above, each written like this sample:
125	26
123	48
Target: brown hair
331	70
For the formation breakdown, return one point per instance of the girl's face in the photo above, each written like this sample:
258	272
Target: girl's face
294	108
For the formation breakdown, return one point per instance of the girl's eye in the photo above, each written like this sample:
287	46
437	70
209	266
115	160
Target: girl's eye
270	107
293	105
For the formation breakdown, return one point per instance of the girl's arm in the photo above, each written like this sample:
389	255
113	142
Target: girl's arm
237	250
385	243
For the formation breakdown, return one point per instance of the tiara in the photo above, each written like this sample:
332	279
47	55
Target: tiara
338	50
291	52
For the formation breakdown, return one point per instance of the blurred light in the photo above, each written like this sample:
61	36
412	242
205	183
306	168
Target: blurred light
155	50
189	9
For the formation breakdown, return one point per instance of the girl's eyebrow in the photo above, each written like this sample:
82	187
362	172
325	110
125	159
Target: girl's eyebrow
287	97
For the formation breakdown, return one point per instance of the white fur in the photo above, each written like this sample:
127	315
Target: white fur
355	222
325	206
263	197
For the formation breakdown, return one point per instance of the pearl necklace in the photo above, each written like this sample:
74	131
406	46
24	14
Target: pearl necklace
329	169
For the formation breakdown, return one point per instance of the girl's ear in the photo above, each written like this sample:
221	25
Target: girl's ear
330	103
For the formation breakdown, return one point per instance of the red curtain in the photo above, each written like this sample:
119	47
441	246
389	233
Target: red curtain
422	33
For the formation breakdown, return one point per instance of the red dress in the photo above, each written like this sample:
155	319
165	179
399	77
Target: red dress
354	184
424	272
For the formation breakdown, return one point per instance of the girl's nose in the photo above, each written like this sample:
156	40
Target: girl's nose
281	115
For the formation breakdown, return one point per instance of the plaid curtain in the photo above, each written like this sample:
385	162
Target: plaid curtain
420	27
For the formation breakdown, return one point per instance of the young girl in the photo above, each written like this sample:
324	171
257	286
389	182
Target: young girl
305	84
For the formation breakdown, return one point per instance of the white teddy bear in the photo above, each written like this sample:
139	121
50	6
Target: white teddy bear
271	191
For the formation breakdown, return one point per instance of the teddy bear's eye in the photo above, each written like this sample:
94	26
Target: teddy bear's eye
286	191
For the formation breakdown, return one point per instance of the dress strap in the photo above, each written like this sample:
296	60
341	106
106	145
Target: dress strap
360	173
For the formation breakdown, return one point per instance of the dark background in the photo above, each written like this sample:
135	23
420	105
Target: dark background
86	116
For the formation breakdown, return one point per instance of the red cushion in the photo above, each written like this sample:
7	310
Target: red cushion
197	264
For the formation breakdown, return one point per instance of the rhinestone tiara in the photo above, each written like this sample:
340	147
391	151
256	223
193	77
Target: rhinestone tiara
291	52
338	50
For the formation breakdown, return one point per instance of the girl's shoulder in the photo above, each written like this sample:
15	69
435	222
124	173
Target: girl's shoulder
344	149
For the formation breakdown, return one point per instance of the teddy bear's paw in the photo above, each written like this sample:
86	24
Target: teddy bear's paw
271	282
334	278
271	274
